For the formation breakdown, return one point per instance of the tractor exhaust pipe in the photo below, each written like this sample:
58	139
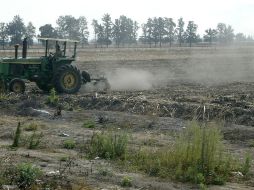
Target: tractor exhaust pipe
16	51
24	52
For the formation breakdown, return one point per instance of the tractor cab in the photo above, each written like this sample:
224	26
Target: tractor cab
59	47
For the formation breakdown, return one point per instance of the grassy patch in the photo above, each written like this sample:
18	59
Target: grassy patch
197	156
31	127
69	144
34	140
126	181
108	145
23	175
89	124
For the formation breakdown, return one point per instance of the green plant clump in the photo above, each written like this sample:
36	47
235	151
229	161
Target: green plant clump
126	181
31	127
69	144
35	140
17	135
23	175
52	99
197	156
108	145
89	124
27	174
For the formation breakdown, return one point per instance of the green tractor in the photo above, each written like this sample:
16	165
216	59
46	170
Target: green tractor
52	70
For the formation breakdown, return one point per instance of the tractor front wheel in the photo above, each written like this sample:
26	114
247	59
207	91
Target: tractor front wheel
67	79
17	86
2	86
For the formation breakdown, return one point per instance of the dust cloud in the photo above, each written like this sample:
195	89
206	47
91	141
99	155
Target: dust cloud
134	79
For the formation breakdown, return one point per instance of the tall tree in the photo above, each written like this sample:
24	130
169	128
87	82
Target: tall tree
170	30
107	23
68	27
3	34
191	32
30	33
160	28
95	30
155	31
135	31
83	30
16	30
101	35
210	35
149	26
143	38
240	37
48	31
128	30
225	33
180	31
229	34
116	32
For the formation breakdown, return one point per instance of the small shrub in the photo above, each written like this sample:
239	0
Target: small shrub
63	159
251	143
89	124
126	181
246	165
69	144
108	145
52	98
197	156
3	97
26	175
31	127
17	135
104	171
35	140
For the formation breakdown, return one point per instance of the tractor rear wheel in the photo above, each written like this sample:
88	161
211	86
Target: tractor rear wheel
67	79
17	86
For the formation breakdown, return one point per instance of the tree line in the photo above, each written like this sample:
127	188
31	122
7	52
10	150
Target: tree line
155	32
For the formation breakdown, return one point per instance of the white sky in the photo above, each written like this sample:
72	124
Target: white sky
206	13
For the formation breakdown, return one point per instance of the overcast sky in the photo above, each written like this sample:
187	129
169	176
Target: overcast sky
205	13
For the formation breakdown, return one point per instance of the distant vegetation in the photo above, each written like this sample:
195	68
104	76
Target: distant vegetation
121	31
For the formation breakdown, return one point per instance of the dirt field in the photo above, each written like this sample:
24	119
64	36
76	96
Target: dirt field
154	92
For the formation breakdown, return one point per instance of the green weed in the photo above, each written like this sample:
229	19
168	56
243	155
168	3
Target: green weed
108	145
31	127
69	144
89	124
126	181
17	135
35	140
197	156
52	99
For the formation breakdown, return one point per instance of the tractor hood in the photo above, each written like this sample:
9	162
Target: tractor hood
28	60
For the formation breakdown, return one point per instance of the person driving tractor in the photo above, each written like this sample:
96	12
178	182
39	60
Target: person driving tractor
58	51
